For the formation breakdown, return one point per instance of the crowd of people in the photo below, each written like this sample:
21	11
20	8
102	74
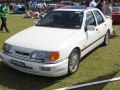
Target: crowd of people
34	14
103	5
38	9
41	7
34	9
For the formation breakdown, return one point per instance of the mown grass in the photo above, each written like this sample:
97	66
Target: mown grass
102	63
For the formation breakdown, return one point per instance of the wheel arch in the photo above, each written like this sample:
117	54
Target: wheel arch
70	70
78	50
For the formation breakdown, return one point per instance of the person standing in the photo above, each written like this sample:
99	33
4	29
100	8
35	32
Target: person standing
108	9
92	3
3	15
104	7
99	5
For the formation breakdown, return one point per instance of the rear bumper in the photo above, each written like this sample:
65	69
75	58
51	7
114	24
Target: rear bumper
52	70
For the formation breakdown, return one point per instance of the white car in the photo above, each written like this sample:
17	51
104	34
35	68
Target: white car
56	44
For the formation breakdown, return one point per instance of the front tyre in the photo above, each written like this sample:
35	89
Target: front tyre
106	39
73	62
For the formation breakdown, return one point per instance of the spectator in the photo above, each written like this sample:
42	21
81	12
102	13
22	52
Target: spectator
11	7
99	5
82	3
41	14
108	9
3	15
37	14
32	14
92	3
27	14
104	7
44	5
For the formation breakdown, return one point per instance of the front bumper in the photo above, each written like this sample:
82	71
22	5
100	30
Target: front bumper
52	70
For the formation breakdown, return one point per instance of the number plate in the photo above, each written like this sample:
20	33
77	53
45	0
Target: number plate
21	64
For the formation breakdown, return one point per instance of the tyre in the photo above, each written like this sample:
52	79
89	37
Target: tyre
73	63
106	39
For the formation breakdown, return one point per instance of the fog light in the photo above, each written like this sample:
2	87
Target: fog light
44	68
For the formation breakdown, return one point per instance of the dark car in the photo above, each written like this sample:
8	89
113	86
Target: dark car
19	9
116	14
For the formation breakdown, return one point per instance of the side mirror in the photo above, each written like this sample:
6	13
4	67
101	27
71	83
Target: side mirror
90	28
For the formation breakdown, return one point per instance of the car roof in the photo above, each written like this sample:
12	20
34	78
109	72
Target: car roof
74	8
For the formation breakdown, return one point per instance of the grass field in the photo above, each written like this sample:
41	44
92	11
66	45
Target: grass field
102	63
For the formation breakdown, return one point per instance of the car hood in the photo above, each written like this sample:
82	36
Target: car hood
41	38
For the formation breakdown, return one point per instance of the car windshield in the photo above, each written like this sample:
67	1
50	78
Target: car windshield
62	19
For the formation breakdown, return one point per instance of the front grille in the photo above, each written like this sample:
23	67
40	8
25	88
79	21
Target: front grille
22	53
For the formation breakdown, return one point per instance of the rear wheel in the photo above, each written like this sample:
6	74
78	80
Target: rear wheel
73	63
106	39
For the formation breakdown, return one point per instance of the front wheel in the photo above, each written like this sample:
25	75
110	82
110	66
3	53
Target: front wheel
106	39
73	63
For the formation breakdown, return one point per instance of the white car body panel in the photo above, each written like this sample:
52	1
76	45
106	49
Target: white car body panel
40	37
50	39
35	68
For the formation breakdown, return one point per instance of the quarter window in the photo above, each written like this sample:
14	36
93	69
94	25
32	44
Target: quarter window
99	17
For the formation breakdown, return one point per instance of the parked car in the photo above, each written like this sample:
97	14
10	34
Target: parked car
65	3
116	14
19	9
116	4
51	7
56	44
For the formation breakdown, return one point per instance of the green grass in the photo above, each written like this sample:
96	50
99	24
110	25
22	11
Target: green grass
102	63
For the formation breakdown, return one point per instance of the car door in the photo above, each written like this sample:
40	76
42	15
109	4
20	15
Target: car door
101	25
91	36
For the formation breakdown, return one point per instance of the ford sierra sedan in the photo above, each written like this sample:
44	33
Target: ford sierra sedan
55	45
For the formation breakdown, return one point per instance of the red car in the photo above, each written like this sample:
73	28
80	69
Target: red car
65	3
116	14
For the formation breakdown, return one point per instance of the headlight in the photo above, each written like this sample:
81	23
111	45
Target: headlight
7	48
42	55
